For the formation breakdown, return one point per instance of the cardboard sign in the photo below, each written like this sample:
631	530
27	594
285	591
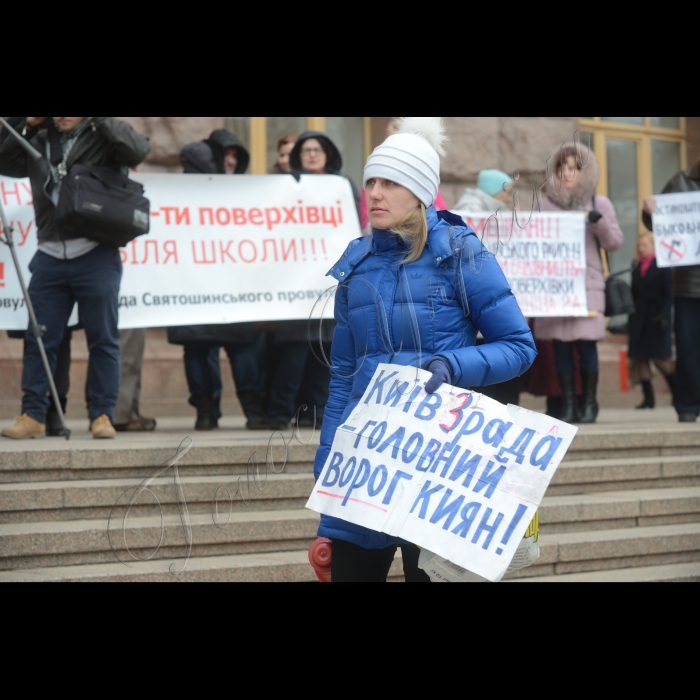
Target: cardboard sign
222	249
454	472
677	229
543	255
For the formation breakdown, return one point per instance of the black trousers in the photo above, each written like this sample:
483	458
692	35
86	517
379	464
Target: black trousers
688	345
353	564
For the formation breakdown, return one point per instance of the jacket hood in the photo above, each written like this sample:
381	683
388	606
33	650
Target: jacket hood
220	140
335	160
586	179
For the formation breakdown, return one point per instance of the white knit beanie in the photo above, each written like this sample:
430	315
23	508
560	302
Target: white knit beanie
412	157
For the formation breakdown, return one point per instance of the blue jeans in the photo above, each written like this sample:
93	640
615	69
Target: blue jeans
203	369
92	281
587	350
688	344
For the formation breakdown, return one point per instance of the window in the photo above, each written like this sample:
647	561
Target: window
638	156
261	134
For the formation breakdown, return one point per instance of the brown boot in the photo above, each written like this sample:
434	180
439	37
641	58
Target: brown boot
26	428
102	429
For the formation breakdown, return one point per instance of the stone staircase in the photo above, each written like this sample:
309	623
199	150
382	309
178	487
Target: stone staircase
625	506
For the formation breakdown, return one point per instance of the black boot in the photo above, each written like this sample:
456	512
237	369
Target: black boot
590	410
255	413
54	427
649	398
569	408
553	407
206	418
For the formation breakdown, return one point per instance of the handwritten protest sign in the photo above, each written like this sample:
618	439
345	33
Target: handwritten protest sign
677	229
543	256
221	249
453	472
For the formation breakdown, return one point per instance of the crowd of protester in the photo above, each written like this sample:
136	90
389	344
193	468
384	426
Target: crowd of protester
275	365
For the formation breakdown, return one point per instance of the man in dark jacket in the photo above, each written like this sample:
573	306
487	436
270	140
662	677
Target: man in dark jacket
686	290
68	268
221	154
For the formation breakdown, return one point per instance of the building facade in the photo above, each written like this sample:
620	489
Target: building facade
638	155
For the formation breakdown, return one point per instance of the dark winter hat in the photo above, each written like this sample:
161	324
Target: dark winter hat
221	140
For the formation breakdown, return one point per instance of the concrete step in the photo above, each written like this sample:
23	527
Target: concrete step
602	442
618	474
601	460
274	567
675	573
50	544
620	509
56	460
89	500
607	550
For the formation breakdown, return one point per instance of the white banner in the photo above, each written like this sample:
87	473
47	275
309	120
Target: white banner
543	256
677	229
222	249
455	472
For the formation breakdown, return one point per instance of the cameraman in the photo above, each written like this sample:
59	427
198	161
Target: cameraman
69	269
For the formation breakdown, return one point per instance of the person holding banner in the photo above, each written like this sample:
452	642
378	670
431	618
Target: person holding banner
415	293
221	154
686	291
573	188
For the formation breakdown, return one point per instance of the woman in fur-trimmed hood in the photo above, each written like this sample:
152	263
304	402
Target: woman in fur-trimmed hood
572	187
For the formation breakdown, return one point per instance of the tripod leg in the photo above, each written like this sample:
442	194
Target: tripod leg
36	328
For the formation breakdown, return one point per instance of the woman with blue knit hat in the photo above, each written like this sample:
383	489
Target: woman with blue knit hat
493	191
417	292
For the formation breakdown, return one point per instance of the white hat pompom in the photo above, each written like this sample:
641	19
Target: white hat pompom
430	128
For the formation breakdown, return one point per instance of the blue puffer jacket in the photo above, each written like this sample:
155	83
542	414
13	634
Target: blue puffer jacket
405	314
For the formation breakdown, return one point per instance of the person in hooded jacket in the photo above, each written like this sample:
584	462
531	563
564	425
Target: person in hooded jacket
299	378
223	154
686	292
411	244
573	188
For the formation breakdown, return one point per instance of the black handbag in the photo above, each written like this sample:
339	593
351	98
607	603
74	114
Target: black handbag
103	206
619	300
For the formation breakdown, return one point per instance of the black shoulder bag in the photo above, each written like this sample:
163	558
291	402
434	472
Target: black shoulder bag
619	300
103	205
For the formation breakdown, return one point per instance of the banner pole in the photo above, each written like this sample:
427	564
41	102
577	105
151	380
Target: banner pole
36	329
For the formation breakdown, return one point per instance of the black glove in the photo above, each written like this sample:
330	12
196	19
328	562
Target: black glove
442	373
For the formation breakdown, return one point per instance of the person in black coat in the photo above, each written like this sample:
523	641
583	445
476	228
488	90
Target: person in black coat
650	326
221	154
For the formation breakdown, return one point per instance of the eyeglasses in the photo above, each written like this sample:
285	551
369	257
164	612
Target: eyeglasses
311	151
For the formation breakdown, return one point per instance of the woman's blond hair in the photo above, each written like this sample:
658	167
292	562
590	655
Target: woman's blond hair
414	232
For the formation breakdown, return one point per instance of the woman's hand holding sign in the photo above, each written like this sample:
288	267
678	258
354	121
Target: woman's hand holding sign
442	373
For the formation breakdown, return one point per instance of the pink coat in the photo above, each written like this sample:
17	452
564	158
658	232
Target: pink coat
364	214
608	235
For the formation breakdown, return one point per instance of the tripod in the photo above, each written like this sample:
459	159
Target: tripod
35	328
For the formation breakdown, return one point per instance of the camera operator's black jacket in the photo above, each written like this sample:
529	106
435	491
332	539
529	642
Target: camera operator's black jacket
108	142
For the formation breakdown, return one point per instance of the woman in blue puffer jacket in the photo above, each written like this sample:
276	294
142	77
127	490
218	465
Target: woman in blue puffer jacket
417	292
